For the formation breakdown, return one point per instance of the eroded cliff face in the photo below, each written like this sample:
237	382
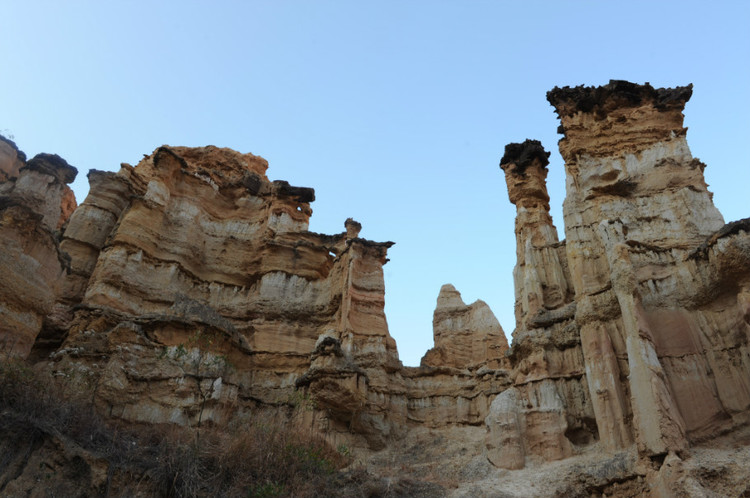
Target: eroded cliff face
35	203
636	211
188	290
633	330
195	294
547	411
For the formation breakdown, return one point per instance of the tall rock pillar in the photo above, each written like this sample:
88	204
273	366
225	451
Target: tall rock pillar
539	278
636	202
547	413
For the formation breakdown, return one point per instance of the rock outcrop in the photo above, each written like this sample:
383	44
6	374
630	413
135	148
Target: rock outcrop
196	290
35	203
633	330
188	290
548	411
194	293
465	336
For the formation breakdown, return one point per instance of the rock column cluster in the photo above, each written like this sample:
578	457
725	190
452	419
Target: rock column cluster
547	411
659	329
188	289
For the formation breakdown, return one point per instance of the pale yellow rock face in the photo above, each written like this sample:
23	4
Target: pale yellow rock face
550	407
637	208
466	336
637	309
197	278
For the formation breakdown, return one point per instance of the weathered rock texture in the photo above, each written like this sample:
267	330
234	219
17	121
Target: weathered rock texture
634	330
188	290
35	202
196	289
548	411
194	293
465	336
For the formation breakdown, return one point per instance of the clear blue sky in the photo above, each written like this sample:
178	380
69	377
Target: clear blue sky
396	112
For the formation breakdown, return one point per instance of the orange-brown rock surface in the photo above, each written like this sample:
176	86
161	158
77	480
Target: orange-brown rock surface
195	293
35	201
189	290
547	411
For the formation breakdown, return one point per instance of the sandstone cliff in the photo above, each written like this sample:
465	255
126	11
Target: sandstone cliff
188	290
35	203
631	331
195	294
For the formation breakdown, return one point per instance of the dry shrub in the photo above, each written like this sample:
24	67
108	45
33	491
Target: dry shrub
262	458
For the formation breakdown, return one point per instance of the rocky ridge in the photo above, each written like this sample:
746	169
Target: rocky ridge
194	293
188	290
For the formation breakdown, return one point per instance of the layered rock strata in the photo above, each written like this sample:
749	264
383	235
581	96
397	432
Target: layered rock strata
35	203
641	206
189	290
547	412
657	329
196	287
194	294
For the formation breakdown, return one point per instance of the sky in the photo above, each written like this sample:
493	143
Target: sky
396	112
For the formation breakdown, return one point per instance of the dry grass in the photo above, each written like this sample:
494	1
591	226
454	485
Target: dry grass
262	458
